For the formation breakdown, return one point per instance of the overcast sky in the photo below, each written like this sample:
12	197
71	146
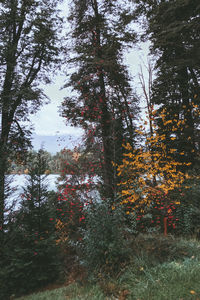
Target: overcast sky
47	121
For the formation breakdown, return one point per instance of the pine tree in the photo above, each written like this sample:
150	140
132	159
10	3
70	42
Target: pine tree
31	259
173	29
103	104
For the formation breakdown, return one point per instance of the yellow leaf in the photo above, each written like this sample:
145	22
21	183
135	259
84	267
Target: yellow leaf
168	122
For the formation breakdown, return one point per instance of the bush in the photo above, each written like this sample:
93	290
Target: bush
105	247
27	266
181	206
188	212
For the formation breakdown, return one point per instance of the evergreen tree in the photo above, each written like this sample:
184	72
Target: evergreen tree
31	259
173	29
103	104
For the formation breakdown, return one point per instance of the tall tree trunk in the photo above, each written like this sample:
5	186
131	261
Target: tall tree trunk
5	127
2	189
108	174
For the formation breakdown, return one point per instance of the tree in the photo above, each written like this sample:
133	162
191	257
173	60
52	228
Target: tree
32	257
29	48
104	104
173	29
150	173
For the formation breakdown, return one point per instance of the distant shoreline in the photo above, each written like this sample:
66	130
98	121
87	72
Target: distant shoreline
21	173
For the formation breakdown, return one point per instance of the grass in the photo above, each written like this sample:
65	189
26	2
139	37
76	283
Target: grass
171	280
160	269
72	292
58	294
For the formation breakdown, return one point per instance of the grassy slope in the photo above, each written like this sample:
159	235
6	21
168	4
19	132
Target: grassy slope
161	269
73	291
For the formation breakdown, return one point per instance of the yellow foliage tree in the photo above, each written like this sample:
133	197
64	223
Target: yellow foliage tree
151	168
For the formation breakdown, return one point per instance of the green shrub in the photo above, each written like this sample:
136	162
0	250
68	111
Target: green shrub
105	246
188	212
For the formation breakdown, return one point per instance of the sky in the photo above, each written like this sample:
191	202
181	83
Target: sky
50	130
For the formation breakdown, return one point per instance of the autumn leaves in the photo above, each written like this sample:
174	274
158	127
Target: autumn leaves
154	167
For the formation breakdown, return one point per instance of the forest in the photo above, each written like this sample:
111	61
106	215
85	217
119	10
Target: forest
124	222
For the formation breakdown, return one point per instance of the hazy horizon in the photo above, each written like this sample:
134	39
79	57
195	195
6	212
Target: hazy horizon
54	143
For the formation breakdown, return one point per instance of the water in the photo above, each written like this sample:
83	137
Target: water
17	182
21	180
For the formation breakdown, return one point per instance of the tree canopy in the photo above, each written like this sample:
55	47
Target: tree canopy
29	50
103	102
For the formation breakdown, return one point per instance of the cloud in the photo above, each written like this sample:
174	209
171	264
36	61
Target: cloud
47	121
55	143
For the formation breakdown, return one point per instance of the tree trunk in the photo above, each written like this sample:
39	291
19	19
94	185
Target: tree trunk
3	168
108	174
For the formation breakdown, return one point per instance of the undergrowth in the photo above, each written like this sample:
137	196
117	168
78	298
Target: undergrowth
160	268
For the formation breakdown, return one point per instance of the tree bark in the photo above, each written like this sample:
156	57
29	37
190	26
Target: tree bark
108	174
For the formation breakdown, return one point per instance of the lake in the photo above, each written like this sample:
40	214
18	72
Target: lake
20	180
17	182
